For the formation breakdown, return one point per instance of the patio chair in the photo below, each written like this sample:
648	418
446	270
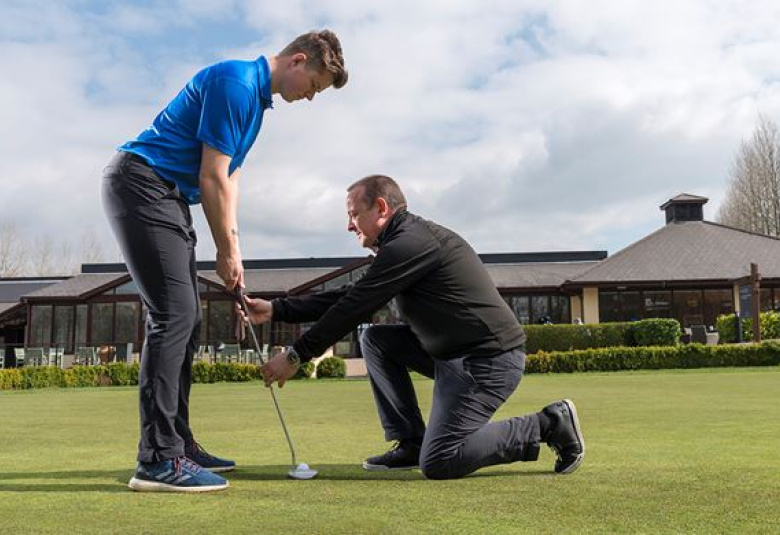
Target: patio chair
86	356
55	357
36	356
20	357
700	335
231	353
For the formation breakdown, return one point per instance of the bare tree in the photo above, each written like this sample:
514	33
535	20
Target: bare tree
13	256
753	197
43	260
91	250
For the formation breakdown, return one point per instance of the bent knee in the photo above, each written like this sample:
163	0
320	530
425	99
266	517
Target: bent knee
442	469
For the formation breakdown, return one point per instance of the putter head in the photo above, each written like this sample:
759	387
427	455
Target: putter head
302	471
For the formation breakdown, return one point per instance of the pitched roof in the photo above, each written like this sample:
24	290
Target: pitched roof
687	251
11	289
536	275
273	280
78	286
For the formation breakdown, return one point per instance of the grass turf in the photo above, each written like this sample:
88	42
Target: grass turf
667	452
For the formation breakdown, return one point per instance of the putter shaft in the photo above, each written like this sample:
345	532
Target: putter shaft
253	336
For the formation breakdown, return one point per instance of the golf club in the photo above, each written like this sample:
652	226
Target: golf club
298	471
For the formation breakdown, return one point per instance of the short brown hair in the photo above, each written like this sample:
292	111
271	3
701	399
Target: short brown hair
376	186
323	51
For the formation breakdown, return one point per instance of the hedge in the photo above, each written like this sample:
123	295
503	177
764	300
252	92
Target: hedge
77	376
654	358
331	367
568	337
594	359
115	374
727	327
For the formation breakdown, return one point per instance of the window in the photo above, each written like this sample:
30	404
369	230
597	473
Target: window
102	323
687	307
717	302
521	306
40	325
657	304
631	306
204	325
126	323
220	325
559	309
540	307
609	307
63	327
81	325
766	299
129	288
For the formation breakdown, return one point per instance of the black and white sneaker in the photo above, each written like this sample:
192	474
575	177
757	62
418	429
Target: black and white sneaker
565	439
404	455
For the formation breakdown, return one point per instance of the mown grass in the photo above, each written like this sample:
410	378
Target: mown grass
668	452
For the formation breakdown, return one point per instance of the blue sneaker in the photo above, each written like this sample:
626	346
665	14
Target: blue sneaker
175	475
207	461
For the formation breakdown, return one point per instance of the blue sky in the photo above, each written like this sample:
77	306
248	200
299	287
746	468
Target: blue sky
523	125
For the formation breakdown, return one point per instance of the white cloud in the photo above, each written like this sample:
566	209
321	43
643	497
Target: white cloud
523	125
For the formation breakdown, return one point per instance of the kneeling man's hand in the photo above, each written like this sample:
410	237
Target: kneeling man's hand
278	369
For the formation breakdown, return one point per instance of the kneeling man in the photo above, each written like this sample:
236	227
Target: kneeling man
458	331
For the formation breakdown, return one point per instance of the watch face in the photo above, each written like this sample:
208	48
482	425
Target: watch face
293	358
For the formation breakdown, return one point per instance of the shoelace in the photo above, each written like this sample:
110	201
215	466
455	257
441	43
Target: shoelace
199	449
180	463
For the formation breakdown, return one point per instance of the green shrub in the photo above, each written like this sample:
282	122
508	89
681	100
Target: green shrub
657	332
11	379
201	373
660	357
115	374
331	367
120	374
727	327
306	371
565	337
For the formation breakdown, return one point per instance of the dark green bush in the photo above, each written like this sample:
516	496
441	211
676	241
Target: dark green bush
331	367
566	337
305	371
647	358
114	374
727	327
657	332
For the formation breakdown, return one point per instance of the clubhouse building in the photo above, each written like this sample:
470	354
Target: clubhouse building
690	269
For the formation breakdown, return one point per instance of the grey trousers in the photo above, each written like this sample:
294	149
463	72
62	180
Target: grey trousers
467	392
153	227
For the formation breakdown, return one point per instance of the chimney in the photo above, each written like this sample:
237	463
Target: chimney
684	207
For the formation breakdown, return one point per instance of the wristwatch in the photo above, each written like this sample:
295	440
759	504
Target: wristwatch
292	357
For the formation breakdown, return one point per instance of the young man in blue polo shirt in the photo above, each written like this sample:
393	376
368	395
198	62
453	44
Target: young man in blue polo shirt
192	153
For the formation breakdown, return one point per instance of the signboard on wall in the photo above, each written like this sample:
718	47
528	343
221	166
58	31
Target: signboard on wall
746	300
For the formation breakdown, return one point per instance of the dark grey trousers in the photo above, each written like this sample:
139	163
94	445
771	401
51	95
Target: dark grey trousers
153	226
467	392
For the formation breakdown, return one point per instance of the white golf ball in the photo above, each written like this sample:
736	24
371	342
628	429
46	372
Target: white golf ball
303	466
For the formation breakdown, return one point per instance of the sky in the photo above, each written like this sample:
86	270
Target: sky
523	125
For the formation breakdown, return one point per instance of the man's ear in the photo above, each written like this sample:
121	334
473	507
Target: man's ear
384	208
299	58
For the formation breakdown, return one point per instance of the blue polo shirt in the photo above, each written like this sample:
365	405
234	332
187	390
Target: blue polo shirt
221	106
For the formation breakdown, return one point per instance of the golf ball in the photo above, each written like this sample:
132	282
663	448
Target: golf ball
303	466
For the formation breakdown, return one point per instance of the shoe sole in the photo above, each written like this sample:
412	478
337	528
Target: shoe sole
575	421
219	469
383	468
142	485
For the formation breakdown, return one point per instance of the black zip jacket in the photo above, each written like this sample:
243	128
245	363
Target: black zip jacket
442	289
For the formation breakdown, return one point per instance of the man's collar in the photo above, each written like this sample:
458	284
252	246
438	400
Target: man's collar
265	83
396	219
